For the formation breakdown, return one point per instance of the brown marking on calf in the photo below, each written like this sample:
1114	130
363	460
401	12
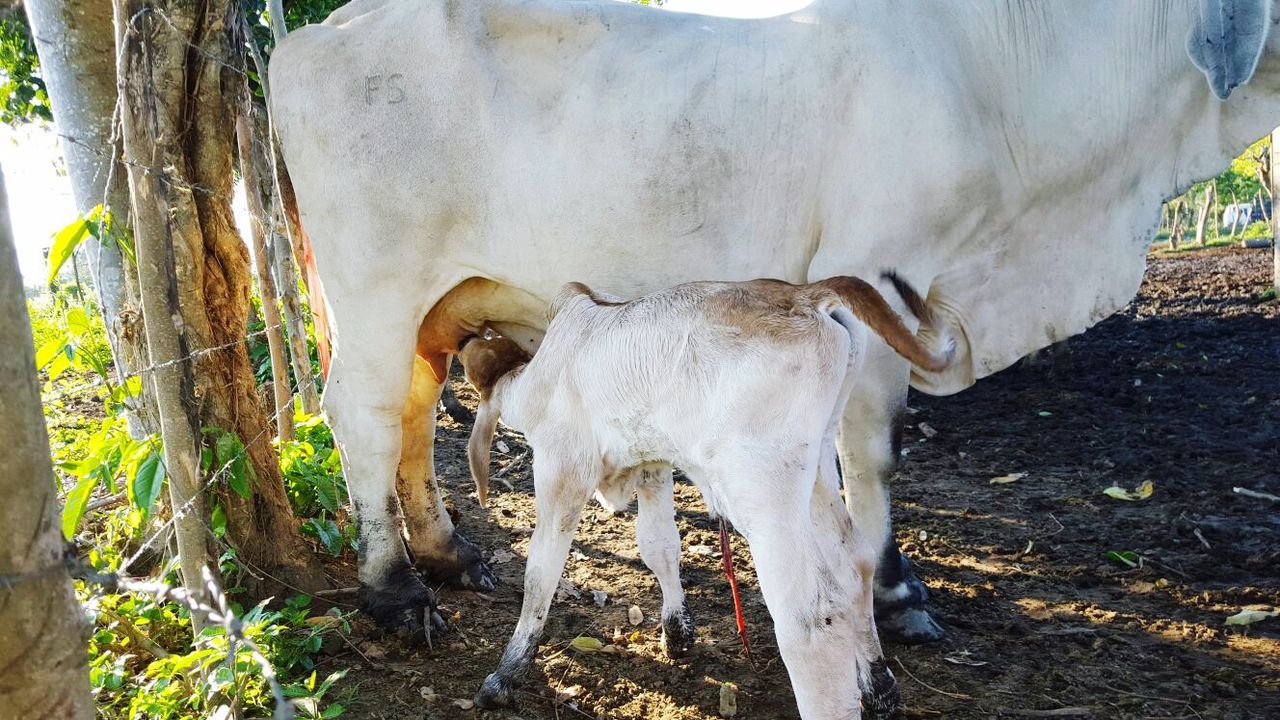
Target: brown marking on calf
484	361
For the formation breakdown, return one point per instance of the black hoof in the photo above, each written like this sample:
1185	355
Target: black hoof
465	570
403	602
678	633
910	626
900	606
496	692
882	700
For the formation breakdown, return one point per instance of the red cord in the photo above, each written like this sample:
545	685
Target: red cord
726	556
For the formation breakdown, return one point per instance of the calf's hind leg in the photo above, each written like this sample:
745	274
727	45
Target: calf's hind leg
439	550
659	543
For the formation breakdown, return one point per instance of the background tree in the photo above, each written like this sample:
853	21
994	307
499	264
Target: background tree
41	646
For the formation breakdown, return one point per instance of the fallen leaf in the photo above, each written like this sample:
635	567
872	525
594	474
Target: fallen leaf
1123	557
586	644
502	447
567	694
1044	413
1006	479
501	557
325	621
465	704
728	700
427	693
634	615
1249	617
1142	492
927	430
703	550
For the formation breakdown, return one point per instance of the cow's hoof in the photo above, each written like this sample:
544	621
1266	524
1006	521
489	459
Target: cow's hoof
909	626
882	700
403	602
900	609
496	692
462	566
678	633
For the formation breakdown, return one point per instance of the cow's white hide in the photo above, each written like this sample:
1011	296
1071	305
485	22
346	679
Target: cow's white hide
538	141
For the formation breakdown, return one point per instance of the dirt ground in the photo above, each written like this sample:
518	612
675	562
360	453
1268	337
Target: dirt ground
1182	388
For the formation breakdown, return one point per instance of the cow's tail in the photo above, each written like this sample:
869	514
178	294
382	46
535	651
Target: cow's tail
868	305
310	276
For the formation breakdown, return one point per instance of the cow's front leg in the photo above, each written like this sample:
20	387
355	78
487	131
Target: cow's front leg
439	550
659	543
561	490
869	443
363	400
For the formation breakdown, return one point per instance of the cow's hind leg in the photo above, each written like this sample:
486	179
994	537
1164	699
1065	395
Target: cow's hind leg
659	542
561	489
869	443
439	550
363	401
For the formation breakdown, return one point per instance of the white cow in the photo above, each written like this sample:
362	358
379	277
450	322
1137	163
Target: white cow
483	152
693	376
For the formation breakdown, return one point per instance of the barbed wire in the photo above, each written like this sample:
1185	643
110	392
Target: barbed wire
215	610
194	355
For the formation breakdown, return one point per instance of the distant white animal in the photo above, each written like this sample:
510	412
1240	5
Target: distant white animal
742	386
483	152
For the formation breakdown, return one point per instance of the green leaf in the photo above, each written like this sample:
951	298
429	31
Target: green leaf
1122	557
230	456
586	644
65	244
49	351
147	483
77	321
61	363
218	521
77	501
333	711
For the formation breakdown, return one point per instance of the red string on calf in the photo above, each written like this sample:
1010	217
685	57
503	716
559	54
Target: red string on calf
726	557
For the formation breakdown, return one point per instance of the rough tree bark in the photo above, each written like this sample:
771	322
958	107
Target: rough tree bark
42	650
197	74
1175	231
76	45
171	379
1275	226
1202	216
266	280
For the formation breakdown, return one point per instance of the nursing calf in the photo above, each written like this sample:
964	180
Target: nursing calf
742	385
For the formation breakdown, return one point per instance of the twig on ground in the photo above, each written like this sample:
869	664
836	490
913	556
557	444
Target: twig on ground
958	696
335	592
1057	712
131	631
1255	494
1200	537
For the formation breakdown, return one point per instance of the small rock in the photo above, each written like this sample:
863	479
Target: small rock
634	615
464	703
502	447
427	693
927	430
599	597
728	700
702	550
501	557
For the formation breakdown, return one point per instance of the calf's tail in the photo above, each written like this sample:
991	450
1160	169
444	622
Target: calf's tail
478	445
868	305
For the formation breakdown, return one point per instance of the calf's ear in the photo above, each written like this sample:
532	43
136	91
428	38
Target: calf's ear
1226	41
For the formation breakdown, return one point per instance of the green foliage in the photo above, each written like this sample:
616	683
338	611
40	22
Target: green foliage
97	224
22	91
1258	229
198	677
313	481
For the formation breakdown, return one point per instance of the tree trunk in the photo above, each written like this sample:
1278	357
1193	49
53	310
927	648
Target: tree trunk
1175	233
197	72
1275	227
266	280
42	648
76	47
171	380
1202	216
280	250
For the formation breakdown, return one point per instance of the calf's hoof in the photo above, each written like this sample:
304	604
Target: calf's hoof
678	633
882	700
403	602
461	566
496	692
